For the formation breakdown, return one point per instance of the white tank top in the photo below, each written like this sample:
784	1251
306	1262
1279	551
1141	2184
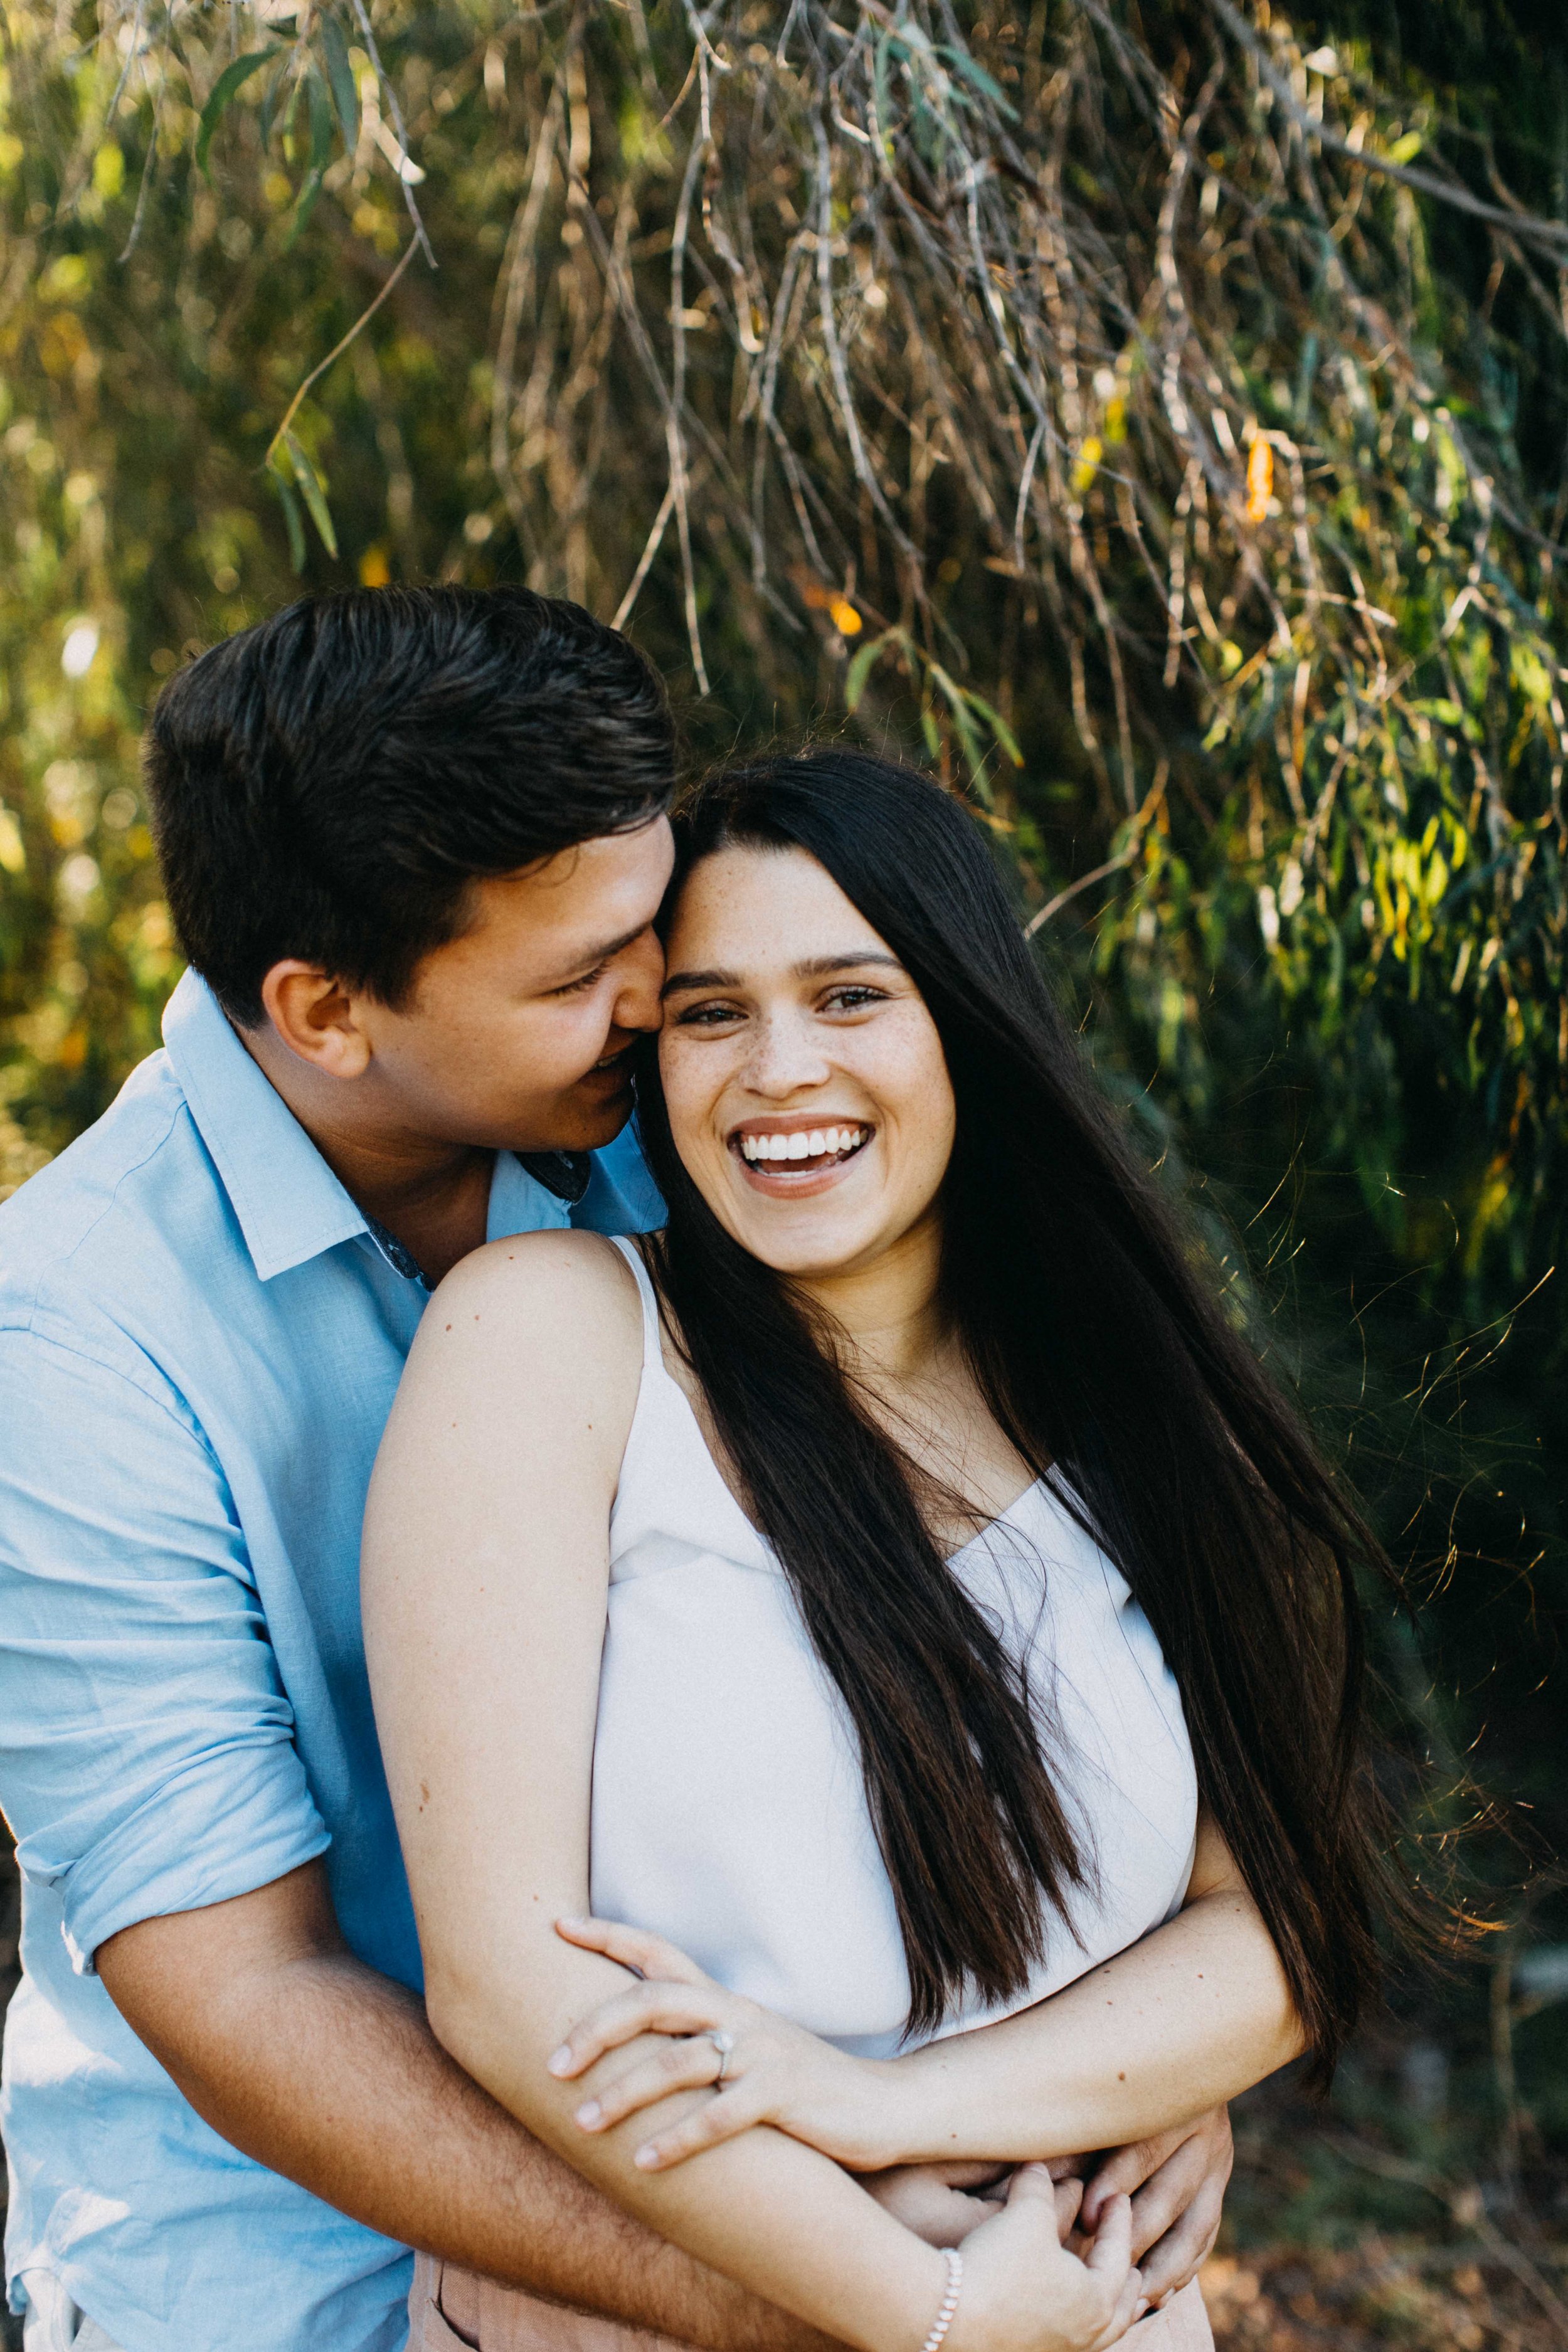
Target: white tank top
729	1811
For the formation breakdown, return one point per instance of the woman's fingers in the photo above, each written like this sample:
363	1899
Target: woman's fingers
634	1948
731	2112
686	2065
648	2007
1131	2305
1033	2183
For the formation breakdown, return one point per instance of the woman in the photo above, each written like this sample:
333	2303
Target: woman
902	1608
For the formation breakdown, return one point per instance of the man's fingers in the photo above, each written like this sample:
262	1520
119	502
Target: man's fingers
1166	2194
1124	2170
634	1948
1181	2252
1113	2249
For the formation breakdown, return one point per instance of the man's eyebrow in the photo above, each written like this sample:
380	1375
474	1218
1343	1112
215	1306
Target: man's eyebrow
592	956
813	968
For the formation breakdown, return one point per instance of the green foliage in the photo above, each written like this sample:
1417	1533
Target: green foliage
1150	416
1075	401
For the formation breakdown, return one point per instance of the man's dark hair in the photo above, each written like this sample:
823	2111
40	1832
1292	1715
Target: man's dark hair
329	783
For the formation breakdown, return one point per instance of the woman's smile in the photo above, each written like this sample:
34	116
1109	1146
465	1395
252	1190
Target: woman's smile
794	1158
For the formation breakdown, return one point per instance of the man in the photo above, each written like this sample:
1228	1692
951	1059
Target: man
414	842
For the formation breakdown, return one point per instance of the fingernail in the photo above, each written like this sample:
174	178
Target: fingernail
589	2114
646	2158
561	2062
571	1919
1141	2308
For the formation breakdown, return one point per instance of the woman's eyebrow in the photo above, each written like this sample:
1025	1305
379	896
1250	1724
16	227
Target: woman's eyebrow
681	980
813	968
819	967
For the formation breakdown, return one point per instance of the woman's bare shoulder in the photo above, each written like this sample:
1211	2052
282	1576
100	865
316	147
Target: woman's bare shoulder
563	1304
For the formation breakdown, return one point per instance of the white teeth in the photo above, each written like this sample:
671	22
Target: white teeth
814	1143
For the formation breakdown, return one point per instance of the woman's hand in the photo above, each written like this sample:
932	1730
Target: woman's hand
1023	2291
765	2069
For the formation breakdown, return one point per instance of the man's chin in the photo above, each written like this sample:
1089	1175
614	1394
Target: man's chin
583	1121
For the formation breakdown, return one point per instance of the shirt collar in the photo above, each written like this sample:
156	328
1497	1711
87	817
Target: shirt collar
290	1204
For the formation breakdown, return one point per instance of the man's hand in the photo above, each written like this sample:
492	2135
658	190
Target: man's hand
308	2061
1177	2182
940	2203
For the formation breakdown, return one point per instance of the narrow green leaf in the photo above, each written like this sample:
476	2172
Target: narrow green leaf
232	79
312	491
320	122
999	728
340	74
289	112
291	518
861	669
962	62
268	109
305	205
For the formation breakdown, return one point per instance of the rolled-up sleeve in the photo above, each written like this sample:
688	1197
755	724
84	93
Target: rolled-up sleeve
147	1756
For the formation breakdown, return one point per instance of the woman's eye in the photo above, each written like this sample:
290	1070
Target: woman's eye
852	999
707	1016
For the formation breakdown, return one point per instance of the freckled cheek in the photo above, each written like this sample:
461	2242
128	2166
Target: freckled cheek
693	1100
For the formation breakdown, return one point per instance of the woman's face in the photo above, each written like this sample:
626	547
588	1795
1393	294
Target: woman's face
807	1090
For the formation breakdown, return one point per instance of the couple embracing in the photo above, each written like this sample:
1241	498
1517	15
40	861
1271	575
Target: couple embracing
730	1729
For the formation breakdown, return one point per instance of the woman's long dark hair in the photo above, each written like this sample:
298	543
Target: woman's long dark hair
1097	1333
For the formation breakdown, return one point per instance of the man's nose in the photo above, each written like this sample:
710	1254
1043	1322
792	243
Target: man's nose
641	978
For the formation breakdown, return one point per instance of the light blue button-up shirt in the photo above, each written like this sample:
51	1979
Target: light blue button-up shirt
200	1337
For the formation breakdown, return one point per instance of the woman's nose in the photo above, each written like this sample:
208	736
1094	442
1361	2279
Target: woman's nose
785	1056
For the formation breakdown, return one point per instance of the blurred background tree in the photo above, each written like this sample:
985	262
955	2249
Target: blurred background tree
1151	416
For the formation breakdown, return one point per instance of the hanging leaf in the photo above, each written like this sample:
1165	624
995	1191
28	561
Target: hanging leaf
304	206
232	79
312	490
293	520
340	74
320	121
861	669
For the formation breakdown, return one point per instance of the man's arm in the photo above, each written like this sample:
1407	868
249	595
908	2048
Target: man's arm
149	1769
320	2069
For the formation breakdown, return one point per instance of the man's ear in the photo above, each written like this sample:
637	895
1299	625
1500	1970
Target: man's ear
313	1014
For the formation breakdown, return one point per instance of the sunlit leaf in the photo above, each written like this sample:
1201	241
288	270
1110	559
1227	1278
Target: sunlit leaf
340	73
232	79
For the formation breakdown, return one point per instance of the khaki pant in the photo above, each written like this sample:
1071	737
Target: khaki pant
453	2310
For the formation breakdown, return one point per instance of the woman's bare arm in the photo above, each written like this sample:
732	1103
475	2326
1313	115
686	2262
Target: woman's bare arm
486	1575
1179	2023
1172	2027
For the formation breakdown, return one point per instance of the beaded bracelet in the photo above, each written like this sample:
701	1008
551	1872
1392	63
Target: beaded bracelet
954	2262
